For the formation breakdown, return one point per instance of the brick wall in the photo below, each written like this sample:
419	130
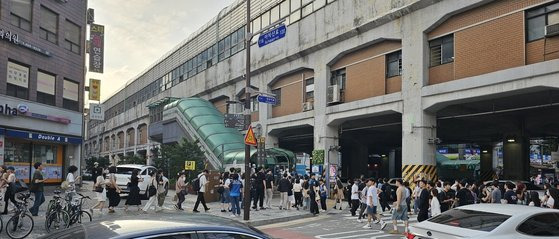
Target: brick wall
292	90
368	52
393	84
221	105
489	47
441	73
365	79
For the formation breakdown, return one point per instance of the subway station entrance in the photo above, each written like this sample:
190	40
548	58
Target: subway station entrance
512	136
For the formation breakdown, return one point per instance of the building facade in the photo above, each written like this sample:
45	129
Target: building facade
377	85
42	69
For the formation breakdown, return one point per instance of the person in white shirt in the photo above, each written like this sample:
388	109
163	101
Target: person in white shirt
435	205
354	197
363	200
372	205
203	181
71	179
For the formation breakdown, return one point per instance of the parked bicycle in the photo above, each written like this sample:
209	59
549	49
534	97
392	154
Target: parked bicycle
21	223
56	217
77	214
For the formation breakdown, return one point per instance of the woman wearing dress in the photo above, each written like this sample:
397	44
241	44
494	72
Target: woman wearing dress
134	195
113	190
101	196
10	178
71	179
153	198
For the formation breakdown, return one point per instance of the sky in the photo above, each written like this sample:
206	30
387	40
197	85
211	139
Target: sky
139	32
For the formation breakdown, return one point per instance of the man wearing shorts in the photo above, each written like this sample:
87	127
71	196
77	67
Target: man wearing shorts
400	211
372	204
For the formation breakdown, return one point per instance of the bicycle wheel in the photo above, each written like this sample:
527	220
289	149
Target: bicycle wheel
84	216
1	224
19	226
57	221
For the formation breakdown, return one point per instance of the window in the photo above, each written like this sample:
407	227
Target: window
469	219
45	88
339	78
174	236
256	25
546	224
394	64
49	25
307	10
284	9
265	19
277	95
226	235
18	80
224	48
72	36
21	13
295	5
70	95
538	18
442	50
275	14
309	89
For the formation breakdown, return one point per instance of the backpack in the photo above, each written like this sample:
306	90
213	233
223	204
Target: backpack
195	184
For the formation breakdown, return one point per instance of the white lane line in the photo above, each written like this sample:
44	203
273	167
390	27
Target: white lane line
360	234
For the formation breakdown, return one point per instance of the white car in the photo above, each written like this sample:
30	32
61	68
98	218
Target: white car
495	221
124	172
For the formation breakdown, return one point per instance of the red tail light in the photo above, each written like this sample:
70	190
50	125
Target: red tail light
409	235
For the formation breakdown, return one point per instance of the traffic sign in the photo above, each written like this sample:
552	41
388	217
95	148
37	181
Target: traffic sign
250	139
272	35
235	121
267	99
190	165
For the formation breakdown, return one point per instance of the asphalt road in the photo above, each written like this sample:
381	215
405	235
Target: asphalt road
333	225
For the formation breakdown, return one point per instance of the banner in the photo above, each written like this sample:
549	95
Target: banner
96	112
94	89
97	42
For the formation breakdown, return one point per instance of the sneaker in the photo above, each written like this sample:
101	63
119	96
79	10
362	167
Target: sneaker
359	221
262	208
223	211
195	211
233	215
383	225
368	226
377	221
207	210
176	207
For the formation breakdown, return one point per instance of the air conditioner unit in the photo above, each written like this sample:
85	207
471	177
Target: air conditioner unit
334	94
552	30
308	106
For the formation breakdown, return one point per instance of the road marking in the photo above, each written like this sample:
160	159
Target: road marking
290	223
360	234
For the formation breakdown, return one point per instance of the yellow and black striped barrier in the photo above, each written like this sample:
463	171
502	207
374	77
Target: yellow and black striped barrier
412	172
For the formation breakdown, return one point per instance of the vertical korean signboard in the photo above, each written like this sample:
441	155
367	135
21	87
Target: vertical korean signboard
97	41
94	89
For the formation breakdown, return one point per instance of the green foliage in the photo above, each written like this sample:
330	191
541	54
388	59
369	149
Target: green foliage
103	162
318	156
132	160
173	157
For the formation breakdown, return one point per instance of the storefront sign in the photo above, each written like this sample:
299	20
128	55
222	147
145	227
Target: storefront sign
14	38
97	41
94	89
96	112
23	110
42	137
7	110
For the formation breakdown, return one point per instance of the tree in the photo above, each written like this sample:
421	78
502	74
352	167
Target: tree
103	162
134	159
173	157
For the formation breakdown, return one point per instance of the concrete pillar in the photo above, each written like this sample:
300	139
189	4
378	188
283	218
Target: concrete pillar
516	159
392	164
271	141
418	126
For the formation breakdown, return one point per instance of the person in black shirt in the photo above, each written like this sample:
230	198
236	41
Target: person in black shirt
464	195
260	189
510	195
446	197
313	194
269	188
423	202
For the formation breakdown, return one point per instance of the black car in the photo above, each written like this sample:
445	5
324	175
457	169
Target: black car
184	226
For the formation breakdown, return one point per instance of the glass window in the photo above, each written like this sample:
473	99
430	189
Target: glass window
265	19
538	18
295	16
441	50
226	236
45	88
546	224
18	80
72	36
21	13
339	78
275	14
309	89
179	236
295	4
319	4
17	152
284	9
277	95
256	25
45	154
70	95
49	25
307	10
305	2
394	64
469	219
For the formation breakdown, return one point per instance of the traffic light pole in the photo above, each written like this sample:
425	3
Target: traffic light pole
246	193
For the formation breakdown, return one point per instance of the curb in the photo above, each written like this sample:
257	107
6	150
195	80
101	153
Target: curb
276	220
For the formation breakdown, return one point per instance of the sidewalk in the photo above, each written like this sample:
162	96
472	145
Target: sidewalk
257	218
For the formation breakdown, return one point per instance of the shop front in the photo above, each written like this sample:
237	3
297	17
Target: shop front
33	132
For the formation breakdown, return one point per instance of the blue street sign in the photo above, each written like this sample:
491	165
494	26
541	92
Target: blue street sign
267	99
272	36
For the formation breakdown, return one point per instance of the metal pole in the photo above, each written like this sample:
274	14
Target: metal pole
328	171
246	196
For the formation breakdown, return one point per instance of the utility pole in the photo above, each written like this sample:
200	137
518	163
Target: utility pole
246	196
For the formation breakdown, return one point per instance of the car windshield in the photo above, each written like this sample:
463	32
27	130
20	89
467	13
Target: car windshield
124	170
470	219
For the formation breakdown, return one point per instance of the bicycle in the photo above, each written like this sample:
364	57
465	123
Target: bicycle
56	217
77	215
21	223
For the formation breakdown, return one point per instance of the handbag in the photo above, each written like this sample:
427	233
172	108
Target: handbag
152	190
98	189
